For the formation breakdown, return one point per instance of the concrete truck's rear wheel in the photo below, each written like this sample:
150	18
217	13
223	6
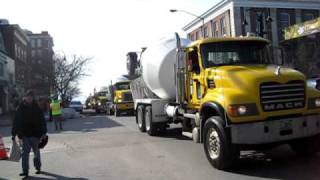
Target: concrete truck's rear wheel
308	146
151	127
217	144
140	118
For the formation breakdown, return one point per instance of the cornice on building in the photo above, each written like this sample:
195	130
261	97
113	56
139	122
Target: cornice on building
285	4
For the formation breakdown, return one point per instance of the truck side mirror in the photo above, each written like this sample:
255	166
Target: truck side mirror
194	61
195	67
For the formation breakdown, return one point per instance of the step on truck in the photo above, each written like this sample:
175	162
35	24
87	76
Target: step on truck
228	94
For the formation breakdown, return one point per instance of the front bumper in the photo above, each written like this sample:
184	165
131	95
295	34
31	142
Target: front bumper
275	130
125	106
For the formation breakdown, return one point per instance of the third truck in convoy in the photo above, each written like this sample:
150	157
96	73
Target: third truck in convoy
227	94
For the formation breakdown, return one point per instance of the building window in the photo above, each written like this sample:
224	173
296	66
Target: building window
1	69
214	29
18	55
33	53
39	42
284	21
192	37
222	26
33	43
308	17
205	32
16	50
197	35
39	53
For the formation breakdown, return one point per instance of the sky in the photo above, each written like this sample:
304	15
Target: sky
101	29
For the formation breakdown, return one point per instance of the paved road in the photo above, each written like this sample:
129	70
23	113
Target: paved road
99	147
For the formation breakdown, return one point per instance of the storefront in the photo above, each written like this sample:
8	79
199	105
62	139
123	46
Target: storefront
302	47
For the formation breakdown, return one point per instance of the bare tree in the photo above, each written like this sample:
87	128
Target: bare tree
67	73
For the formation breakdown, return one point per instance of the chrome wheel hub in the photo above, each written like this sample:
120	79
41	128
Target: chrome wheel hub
213	144
140	119
147	121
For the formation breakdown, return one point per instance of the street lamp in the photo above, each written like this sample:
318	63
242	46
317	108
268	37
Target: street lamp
187	12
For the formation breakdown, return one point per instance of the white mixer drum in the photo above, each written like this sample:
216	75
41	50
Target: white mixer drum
158	63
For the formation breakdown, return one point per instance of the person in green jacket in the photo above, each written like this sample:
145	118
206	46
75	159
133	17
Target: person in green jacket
56	113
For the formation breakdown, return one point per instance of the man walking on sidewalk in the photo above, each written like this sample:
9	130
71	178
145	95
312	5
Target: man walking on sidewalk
56	113
29	125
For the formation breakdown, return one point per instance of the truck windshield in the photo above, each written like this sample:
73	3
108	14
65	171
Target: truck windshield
235	52
125	86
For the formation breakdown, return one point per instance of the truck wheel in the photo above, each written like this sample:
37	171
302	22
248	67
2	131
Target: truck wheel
217	144
150	126
140	119
308	146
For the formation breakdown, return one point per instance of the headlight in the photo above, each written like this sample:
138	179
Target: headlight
99	103
119	100
243	110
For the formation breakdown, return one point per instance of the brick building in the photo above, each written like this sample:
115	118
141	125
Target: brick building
40	59
6	78
238	17
16	44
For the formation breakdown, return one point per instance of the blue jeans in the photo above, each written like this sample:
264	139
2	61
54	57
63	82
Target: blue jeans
29	143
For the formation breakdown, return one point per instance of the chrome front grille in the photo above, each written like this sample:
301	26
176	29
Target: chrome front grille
275	96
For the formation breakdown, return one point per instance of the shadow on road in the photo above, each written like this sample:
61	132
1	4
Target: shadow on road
52	176
87	124
280	163
174	133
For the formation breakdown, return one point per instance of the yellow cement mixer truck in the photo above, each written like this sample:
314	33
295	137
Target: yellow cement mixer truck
227	94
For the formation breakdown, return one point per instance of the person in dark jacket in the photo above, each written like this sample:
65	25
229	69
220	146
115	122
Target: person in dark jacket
29	125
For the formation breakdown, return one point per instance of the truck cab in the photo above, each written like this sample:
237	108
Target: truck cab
122	100
244	100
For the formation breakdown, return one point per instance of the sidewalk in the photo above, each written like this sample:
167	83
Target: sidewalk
5	120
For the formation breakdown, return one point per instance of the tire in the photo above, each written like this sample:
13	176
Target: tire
217	144
308	146
97	111
140	118
151	127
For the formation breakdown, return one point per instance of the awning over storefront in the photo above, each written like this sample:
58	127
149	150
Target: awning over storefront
302	29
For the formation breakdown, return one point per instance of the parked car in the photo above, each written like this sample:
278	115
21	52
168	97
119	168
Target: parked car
76	105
